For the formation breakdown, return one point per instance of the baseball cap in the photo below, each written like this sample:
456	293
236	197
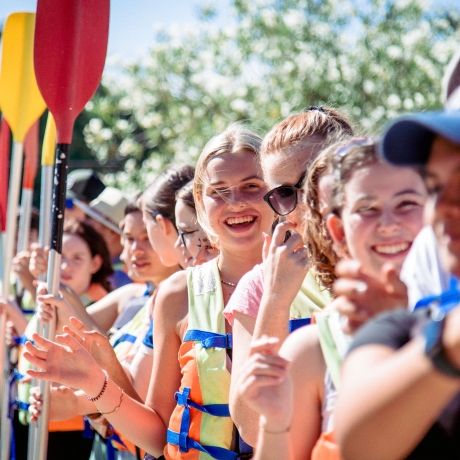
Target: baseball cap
84	185
408	139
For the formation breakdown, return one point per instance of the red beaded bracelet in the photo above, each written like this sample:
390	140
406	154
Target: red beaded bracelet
104	387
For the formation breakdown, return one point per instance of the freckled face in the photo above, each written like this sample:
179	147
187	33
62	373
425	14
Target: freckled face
233	200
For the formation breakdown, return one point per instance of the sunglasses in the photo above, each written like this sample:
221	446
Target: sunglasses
186	237
283	199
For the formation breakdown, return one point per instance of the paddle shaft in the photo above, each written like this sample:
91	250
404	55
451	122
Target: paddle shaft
47	330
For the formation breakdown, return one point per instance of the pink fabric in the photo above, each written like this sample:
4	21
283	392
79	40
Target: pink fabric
247	296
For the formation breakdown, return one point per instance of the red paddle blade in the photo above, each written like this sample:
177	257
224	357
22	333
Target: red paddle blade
69	54
31	156
5	139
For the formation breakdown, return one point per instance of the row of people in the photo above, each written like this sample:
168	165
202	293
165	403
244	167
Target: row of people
223	356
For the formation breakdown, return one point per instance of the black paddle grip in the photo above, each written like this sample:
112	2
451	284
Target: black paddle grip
59	191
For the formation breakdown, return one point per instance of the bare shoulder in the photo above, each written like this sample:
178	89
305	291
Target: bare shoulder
302	348
171	301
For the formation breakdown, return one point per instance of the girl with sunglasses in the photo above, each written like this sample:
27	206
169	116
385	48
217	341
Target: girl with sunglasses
377	211
286	152
188	317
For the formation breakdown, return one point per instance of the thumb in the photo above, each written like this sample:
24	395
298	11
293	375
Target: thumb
392	280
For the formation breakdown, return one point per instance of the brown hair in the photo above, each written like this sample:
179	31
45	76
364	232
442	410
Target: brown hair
97	247
314	127
185	194
160	196
235	139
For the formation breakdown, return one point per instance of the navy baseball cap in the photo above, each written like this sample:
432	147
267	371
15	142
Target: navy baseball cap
408	139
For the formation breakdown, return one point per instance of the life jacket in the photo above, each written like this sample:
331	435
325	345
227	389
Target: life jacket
200	426
310	299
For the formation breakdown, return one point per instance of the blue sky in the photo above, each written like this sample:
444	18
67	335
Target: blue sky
131	21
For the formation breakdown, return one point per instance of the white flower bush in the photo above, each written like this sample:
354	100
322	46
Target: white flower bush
374	60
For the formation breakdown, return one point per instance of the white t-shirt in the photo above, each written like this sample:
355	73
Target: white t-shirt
422	271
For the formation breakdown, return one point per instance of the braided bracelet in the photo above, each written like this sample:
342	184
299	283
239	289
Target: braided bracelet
104	387
117	406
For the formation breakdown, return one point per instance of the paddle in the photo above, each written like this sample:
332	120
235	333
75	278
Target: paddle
28	180
70	48
44	230
21	104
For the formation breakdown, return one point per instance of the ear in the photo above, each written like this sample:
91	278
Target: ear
335	228
96	263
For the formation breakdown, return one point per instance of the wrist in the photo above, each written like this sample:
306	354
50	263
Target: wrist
96	385
273	427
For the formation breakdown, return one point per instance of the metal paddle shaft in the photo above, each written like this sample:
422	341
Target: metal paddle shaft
21	104
69	55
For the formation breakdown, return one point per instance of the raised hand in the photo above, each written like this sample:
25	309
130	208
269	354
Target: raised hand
360	297
265	385
285	263
65	361
96	343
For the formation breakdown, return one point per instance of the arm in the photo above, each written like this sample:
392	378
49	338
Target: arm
414	394
273	389
67	361
104	312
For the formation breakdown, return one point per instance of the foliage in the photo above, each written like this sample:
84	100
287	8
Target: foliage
373	59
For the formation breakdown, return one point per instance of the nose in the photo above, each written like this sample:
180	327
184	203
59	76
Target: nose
236	197
389	223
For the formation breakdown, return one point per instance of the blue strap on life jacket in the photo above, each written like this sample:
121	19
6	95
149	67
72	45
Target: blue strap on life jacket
148	338
297	323
185	444
21	340
183	440
446	301
209	339
124	338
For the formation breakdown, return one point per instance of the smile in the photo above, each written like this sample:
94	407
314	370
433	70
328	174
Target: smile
391	249
239	220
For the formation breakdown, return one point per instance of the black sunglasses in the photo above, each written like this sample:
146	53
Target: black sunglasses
283	199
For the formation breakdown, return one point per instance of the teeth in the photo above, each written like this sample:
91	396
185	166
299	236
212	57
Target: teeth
392	248
239	220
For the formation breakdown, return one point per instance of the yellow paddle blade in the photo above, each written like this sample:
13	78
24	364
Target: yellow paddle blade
49	141
20	98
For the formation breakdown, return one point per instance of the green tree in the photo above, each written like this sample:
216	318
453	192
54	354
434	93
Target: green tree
374	59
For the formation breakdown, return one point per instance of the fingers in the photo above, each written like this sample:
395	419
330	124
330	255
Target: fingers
349	268
279	235
265	344
352	288
266	245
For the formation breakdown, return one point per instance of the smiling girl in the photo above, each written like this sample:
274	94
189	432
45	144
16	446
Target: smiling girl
377	213
188	319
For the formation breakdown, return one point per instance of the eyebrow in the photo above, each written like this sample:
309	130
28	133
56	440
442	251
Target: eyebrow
219	183
406	191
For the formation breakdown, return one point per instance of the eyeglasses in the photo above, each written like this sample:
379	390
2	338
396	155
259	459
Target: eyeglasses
186	236
283	199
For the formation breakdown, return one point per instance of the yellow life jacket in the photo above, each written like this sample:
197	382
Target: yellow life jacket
310	300
200	426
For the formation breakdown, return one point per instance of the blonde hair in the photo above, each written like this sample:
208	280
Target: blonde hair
316	126
235	139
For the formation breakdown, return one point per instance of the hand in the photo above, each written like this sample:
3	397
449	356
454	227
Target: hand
63	403
360	296
96	343
285	264
265	385
20	266
65	361
38	263
48	304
